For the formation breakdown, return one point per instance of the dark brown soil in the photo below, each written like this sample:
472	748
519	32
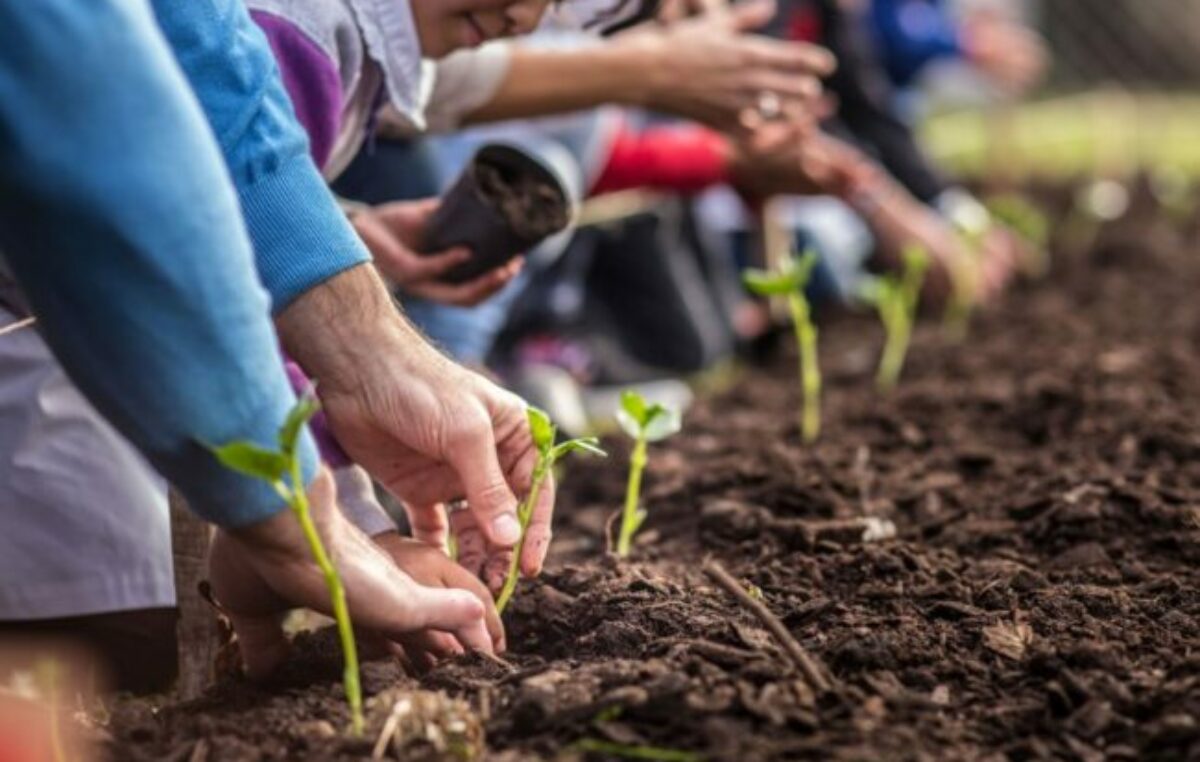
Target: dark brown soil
1040	601
534	208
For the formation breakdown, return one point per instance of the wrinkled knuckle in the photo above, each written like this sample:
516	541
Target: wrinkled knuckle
494	497
468	426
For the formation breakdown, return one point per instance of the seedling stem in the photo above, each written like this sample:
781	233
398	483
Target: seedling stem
791	280
524	515
644	423
631	517
297	498
810	371
896	299
272	466
544	433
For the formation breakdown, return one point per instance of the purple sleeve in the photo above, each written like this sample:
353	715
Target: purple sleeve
331	452
311	79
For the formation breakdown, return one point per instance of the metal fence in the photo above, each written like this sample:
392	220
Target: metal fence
1133	44
1123	95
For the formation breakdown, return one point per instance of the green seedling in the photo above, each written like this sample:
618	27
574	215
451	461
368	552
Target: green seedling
544	433
789	281
896	298
1016	212
281	469
972	221
965	274
644	423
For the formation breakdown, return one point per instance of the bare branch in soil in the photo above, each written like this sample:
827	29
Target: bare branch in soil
813	672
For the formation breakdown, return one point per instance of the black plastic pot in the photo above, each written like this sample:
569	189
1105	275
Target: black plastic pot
471	215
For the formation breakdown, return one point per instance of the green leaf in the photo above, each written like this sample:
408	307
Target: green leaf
765	283
542	429
303	411
628	424
252	460
871	290
634	404
916	259
793	276
802	269
587	445
661	422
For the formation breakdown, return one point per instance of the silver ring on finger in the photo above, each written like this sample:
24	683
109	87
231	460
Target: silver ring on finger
456	506
769	106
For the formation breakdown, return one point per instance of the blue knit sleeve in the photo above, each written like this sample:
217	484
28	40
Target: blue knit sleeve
118	218
300	236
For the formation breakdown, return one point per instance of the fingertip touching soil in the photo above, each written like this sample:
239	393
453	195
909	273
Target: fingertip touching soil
1039	599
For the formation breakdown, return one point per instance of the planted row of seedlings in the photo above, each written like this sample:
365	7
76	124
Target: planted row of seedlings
896	299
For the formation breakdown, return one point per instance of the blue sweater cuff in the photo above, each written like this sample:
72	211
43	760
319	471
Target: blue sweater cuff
229	499
297	252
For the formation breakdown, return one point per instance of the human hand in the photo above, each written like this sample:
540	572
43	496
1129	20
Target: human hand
1014	56
261	571
1001	253
787	158
393	233
427	429
986	267
431	567
670	11
708	68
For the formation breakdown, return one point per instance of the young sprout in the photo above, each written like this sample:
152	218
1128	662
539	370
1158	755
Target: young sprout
1031	224
965	274
973	222
896	298
544	433
644	423
281	469
790	281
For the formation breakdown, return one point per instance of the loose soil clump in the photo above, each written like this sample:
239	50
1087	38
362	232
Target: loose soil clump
533	208
1040	598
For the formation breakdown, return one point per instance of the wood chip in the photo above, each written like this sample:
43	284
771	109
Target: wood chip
1010	640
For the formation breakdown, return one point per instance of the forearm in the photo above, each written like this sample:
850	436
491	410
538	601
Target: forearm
341	329
141	278
544	81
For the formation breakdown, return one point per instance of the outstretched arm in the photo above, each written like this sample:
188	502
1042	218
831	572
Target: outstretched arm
118	219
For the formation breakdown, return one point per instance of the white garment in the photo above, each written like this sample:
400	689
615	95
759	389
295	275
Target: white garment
85	524
84	521
390	32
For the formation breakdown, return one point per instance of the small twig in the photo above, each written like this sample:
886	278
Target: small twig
807	665
390	725
504	664
608	531
523	674
199	752
14	327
